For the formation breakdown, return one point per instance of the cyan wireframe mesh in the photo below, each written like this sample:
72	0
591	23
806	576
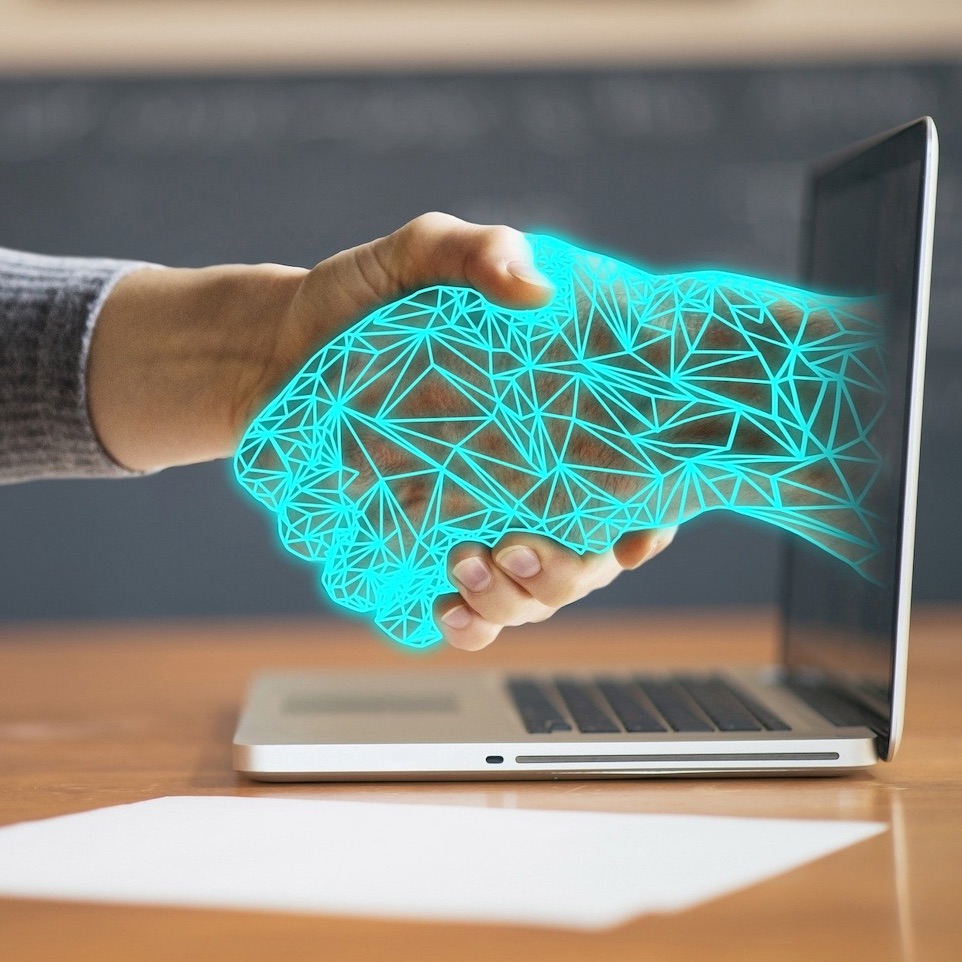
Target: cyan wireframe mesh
632	400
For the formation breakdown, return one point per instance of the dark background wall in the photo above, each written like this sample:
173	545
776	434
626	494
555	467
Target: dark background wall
671	167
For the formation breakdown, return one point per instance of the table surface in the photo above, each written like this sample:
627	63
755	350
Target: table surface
101	716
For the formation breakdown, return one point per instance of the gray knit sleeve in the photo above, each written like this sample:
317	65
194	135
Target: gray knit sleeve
48	308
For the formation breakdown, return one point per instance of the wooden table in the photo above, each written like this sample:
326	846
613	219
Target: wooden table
93	717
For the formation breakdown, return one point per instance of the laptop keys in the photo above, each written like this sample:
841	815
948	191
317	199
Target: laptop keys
770	721
669	698
631	713
643	704
721	705
538	713
588	716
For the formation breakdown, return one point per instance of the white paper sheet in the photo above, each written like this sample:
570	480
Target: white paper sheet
580	870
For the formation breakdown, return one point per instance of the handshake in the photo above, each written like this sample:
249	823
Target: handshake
631	400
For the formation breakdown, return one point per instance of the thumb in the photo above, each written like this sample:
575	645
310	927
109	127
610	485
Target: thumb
636	547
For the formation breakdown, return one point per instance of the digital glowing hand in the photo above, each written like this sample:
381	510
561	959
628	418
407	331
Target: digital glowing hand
632	400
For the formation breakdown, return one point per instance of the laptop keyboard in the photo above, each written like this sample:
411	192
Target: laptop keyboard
642	704
538	712
834	706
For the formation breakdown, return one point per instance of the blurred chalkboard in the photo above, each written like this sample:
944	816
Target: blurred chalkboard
669	166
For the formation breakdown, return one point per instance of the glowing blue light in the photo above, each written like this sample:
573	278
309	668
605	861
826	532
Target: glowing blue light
632	400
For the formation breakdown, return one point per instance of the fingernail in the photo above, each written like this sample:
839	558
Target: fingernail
473	574
519	561
458	617
525	272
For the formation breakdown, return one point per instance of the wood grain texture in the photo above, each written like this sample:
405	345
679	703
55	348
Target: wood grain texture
100	716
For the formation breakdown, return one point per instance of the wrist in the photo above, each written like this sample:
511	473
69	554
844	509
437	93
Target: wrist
176	356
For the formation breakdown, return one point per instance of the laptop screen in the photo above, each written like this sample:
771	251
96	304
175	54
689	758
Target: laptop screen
867	236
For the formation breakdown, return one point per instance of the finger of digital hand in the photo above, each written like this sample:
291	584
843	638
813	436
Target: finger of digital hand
526	579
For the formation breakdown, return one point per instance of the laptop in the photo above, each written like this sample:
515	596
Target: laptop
834	703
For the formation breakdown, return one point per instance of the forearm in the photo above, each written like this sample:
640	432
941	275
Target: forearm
782	388
48	306
175	352
730	392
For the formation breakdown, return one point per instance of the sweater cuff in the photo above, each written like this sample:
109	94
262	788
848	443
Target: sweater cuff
48	309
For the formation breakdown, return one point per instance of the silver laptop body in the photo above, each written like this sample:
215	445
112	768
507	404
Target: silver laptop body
836	701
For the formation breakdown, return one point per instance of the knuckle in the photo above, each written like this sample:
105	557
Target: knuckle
534	612
520	613
504	604
414	244
560	587
426	225
498	235
545	613
375	268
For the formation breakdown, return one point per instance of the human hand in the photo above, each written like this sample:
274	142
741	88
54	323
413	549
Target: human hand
182	359
719	390
629	401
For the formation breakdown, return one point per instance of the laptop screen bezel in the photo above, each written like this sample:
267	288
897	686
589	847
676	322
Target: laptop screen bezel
913	142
